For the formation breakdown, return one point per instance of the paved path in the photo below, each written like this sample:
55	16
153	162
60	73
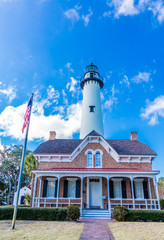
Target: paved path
96	229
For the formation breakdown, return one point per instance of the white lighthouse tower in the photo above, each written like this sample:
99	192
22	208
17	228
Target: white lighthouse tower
91	119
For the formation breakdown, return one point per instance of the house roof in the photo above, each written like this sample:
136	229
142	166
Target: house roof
67	146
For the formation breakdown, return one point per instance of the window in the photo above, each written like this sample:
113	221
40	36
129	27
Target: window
92	108
91	75
98	160
72	189
89	159
139	189
117	189
51	188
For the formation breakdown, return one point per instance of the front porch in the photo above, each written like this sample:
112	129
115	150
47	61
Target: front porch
96	191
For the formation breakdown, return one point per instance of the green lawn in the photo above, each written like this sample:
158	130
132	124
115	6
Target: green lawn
137	230
41	230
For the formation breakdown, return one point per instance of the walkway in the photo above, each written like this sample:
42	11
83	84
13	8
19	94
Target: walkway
96	229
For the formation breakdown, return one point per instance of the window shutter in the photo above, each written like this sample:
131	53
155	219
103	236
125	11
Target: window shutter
145	188
56	187
45	188
111	189
65	192
124	195
77	189
134	189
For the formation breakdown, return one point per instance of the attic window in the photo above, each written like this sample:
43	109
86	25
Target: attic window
92	108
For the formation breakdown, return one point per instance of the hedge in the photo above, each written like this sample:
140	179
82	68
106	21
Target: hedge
145	215
28	213
122	214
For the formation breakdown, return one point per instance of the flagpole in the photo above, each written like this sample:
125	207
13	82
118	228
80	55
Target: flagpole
21	169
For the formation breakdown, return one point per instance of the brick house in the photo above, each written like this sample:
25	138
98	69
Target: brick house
93	172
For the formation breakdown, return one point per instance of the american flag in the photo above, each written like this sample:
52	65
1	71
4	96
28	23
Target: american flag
27	115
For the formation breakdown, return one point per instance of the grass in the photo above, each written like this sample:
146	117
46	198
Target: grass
41	230
137	230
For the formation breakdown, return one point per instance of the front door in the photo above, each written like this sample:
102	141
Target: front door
95	193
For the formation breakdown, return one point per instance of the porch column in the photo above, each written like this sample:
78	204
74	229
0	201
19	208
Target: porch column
57	200
39	191
109	206
132	188
87	192
81	193
156	185
150	192
34	190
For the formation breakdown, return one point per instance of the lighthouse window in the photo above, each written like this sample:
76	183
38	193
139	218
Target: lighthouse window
92	108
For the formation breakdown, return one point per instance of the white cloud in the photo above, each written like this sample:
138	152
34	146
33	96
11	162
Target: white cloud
53	95
10	93
154	110
123	7
125	81
73	13
141	77
71	85
112	99
11	121
131	7
86	17
68	66
157	8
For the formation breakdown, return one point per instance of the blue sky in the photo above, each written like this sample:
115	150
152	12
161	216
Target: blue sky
45	46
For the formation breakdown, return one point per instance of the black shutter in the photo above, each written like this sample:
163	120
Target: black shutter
65	192
77	189
56	187
45	188
124	195
111	189
145	188
134	190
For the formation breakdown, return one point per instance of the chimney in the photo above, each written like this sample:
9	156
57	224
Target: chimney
52	135
133	136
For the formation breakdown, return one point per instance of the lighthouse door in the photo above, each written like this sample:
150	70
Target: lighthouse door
95	193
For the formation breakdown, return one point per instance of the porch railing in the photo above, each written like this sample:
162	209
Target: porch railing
54	202
144	204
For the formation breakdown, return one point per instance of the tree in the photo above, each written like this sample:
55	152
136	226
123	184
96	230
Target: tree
30	164
10	158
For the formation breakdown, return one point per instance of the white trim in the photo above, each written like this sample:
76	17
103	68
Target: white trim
52	179
72	179
116	179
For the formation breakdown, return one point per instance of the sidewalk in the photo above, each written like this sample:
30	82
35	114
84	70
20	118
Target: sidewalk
96	229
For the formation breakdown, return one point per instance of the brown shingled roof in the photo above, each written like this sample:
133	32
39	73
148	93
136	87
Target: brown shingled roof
67	146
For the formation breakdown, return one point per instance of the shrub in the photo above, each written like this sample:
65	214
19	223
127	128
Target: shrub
145	216
28	213
62	214
73	212
119	213
27	199
162	203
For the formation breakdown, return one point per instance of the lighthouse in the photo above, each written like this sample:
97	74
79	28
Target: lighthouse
91	118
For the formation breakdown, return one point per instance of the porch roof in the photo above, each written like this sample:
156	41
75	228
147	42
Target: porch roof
97	170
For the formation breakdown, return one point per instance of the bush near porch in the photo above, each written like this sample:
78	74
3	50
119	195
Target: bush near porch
28	213
162	203
123	214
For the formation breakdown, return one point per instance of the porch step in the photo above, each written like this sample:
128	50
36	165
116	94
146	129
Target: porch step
96	214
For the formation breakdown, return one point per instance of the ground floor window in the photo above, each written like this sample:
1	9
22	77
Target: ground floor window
139	189
51	188
117	189
72	189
